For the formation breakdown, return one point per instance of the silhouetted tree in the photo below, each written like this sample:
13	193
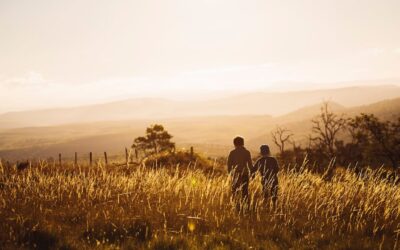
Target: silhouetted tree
156	140
280	137
361	141
376	139
325	129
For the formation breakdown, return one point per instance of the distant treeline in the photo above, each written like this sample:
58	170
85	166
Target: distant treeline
363	140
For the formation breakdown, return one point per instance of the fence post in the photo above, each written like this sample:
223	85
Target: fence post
105	158
90	158
191	152
126	156
59	159
76	158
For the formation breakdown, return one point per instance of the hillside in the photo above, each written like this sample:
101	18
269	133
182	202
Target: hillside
259	103
299	122
212	134
104	207
387	110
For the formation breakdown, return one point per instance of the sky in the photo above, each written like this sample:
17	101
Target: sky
70	53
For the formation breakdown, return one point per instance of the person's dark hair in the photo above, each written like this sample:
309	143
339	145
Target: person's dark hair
264	150
238	141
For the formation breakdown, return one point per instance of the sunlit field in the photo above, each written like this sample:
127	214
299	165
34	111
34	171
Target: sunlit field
183	207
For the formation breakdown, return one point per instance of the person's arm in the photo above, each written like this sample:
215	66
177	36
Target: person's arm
256	167
230	162
250	163
276	166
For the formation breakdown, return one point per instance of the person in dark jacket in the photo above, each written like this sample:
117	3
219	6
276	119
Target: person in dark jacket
268	168
240	166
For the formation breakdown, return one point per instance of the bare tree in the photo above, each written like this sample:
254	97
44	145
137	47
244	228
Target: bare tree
326	127
281	136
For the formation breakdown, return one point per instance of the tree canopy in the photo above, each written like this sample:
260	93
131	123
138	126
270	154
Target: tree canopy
156	140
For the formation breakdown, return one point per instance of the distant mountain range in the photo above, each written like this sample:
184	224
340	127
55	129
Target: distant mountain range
259	103
299	122
210	134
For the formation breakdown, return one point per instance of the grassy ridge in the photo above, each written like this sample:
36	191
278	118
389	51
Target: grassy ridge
168	208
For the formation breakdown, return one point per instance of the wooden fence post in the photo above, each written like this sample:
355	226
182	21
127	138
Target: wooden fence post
191	152
59	159
76	158
90	158
105	158
126	156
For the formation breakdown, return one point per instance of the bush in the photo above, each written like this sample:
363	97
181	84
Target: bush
182	159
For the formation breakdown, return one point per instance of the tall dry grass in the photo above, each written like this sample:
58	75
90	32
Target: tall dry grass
107	207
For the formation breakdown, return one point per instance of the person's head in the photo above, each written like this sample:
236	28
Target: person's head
238	141
264	150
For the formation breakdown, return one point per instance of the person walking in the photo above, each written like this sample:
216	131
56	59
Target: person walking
240	166
268	168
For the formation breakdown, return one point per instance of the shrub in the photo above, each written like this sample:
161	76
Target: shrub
182	159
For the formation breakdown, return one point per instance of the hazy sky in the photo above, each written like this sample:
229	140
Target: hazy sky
66	52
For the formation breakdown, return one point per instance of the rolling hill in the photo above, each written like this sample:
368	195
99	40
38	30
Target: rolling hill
209	134
259	103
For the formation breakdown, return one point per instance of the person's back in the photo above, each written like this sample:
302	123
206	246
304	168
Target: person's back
239	167
268	168
239	161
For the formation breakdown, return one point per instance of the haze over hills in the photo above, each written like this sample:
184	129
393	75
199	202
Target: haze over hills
258	103
299	122
209	134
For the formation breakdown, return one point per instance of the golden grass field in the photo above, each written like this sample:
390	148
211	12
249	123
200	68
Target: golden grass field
182	207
